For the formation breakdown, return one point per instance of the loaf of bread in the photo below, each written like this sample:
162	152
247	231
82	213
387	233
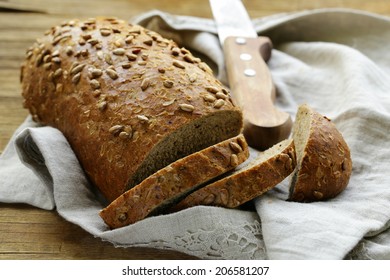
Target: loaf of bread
260	173
170	184
128	101
324	163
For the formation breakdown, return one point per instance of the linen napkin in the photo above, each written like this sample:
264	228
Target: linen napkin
335	60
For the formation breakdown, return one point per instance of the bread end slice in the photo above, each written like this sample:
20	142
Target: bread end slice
324	163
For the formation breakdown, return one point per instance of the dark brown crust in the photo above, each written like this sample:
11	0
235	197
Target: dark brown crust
243	186
326	162
115	90
169	183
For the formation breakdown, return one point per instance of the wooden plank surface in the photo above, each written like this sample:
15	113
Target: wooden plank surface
30	233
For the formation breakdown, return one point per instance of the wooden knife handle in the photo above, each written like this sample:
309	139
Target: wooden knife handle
253	89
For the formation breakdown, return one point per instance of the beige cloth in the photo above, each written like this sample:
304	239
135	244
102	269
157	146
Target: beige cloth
337	61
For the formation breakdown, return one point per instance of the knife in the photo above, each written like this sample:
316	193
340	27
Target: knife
250	80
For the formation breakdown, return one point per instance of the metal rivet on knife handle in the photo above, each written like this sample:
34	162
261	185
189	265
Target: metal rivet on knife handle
245	56
249	72
240	41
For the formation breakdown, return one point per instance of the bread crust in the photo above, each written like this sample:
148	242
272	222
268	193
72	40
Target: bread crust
116	91
244	185
161	189
325	166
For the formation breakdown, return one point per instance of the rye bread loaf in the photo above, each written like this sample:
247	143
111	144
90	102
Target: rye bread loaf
324	163
166	186
261	172
128	101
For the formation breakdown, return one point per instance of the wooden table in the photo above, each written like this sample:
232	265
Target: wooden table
30	233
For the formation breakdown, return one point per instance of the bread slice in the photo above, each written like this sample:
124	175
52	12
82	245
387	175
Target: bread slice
260	173
171	183
324	163
128	101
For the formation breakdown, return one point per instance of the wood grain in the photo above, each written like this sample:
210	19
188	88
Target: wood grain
31	233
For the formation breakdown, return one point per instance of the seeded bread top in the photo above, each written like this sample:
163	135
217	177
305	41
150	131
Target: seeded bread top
118	91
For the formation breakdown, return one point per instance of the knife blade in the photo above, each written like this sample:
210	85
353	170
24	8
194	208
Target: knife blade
249	78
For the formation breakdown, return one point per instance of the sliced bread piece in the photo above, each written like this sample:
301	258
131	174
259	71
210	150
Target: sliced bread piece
171	183
324	162
260	173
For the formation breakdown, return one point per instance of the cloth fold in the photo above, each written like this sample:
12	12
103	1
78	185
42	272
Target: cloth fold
333	59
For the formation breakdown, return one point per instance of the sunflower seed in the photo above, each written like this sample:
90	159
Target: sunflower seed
47	58
129	39
57	73
167	103
220	95
102	105
112	73
193	77
209	199
119	43
144	56
235	147
47	66
69	50
142	118
76	78
95	73
186	107
119	51
116	129
39	60
168	84
188	58
93	42
175	51
209	98
124	135
95	84
145	84
219	103
108	59
318	195
105	31
224	195
233	160
56	60
122	217
84	53
212	89
126	65
178	64
59	88
77	69
86	36
131	57
60	38
148	42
